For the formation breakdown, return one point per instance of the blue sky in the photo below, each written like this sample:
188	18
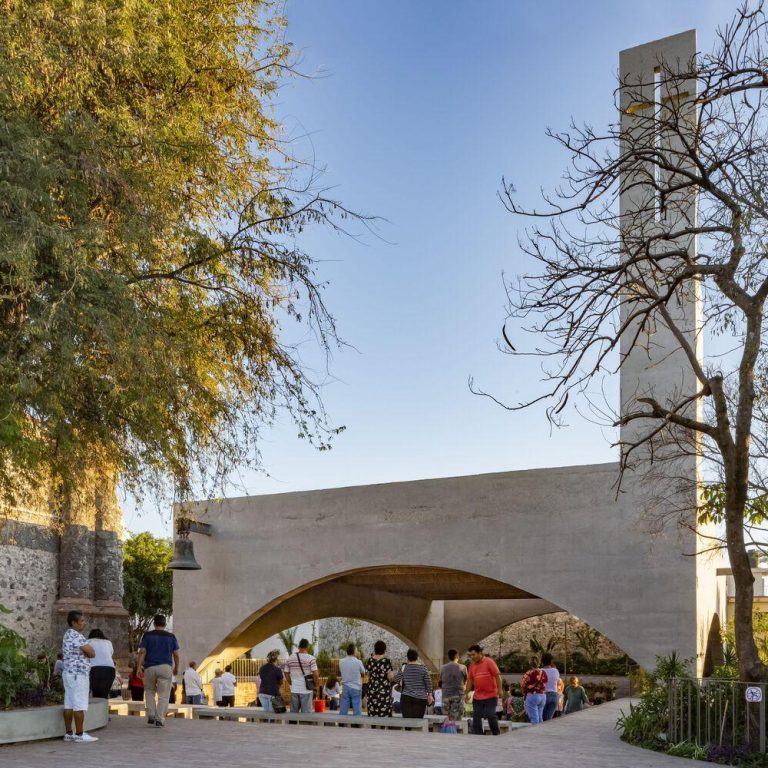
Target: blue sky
417	109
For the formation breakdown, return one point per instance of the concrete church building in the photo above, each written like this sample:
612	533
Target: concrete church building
444	563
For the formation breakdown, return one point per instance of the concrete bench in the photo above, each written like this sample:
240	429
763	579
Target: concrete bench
252	714
435	721
139	709
505	726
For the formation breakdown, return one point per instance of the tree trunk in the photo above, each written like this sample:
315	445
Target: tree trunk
751	669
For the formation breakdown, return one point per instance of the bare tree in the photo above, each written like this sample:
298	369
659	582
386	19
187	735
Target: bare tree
666	205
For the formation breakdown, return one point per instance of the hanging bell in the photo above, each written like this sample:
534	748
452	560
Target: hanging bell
183	556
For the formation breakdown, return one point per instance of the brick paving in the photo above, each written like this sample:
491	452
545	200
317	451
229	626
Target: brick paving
586	739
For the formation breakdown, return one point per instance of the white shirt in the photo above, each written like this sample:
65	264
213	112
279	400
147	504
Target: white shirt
396	694
228	683
297	665
216	685
552	677
193	684
103	650
438	694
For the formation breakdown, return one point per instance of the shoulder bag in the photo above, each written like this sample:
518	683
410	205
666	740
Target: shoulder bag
309	679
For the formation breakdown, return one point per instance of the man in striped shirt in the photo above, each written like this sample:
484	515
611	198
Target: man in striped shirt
298	667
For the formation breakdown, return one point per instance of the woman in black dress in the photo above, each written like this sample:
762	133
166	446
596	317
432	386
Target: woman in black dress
379	668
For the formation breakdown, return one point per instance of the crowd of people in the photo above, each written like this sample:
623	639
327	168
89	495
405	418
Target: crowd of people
476	689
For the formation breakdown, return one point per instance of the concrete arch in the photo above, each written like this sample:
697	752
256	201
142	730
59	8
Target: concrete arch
408	601
403	616
267	550
470	623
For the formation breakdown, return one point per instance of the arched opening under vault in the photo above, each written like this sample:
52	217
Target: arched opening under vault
427	607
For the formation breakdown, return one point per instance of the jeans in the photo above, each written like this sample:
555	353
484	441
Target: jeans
485	708
157	680
196	699
550	707
351	697
534	707
301	702
266	702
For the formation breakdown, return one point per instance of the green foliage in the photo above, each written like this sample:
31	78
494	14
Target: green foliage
324	662
760	633
712	509
729	669
512	662
25	681
150	232
147	582
546	647
686	749
589	641
288	639
645	724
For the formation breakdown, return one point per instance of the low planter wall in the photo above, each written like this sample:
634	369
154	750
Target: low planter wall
36	723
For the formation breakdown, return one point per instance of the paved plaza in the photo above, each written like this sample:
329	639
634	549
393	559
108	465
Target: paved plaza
589	738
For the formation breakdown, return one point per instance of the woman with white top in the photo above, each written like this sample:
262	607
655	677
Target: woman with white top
551	692
102	666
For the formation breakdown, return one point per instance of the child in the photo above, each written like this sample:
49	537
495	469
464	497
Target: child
560	697
515	704
331	693
575	697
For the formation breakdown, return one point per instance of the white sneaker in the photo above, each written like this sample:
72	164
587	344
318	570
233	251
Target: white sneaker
69	737
86	737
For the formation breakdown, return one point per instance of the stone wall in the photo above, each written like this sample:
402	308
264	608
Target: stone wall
336	632
57	558
516	637
29	569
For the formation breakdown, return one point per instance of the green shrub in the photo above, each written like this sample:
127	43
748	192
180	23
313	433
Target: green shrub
512	662
686	749
646	723
25	682
324	663
600	690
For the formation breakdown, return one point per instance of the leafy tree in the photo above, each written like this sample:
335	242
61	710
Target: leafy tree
614	273
150	240
588	640
147	582
539	647
288	639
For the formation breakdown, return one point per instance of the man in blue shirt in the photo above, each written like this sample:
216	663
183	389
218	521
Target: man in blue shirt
158	662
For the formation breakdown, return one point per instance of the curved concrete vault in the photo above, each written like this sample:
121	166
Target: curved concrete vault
274	561
429	608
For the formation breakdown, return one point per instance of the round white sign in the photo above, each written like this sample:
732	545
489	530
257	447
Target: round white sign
753	694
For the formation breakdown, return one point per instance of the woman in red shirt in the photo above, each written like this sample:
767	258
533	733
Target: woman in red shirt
534	684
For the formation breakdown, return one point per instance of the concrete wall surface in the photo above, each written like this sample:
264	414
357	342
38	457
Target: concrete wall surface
36	723
269	552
